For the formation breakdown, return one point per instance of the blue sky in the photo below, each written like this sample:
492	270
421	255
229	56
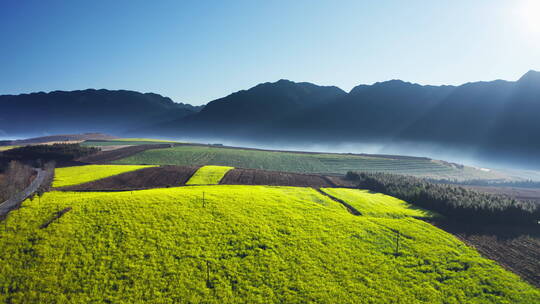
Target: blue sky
196	51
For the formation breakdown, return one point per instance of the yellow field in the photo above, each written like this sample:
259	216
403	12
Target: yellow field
70	176
240	244
377	204
5	148
208	175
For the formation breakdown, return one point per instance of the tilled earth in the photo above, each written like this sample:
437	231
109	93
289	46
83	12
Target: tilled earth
147	178
515	248
276	178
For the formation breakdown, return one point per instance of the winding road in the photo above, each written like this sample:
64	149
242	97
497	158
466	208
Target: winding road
14	201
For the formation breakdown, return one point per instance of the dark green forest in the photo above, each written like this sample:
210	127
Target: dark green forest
454	202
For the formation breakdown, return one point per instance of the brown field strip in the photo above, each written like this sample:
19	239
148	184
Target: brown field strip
155	177
111	155
276	178
515	248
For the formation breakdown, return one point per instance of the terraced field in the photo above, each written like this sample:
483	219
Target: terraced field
242	244
71	176
188	155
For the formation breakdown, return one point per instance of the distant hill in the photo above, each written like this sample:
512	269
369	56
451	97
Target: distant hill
497	119
61	138
85	111
259	107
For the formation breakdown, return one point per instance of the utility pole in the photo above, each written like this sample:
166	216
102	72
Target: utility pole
203	201
397	242
208	283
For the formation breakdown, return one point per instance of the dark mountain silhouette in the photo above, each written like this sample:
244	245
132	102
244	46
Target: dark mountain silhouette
85	111
496	119
260	107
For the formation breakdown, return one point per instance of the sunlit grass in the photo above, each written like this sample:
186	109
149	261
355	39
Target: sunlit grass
377	204
5	148
208	175
70	176
260	244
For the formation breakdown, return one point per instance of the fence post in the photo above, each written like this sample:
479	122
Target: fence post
208	283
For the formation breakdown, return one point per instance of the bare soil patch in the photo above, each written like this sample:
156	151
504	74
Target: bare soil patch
63	138
277	178
515	248
147	178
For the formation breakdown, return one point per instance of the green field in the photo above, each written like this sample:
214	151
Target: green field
301	162
124	142
70	176
242	244
377	204
208	175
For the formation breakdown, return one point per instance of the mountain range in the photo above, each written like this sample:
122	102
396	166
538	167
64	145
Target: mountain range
496	119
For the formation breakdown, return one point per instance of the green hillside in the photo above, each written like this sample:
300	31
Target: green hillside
302	162
377	204
242	244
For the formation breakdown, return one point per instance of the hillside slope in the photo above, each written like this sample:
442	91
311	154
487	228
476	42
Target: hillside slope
241	244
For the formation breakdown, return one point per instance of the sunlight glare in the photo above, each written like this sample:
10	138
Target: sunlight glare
529	15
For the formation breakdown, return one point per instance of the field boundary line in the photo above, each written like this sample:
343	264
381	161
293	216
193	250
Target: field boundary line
349	208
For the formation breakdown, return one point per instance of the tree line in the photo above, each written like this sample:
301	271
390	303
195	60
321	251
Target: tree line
489	183
452	201
39	154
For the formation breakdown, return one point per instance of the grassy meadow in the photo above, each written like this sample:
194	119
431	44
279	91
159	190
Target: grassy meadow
301	162
77	175
208	175
377	204
241	244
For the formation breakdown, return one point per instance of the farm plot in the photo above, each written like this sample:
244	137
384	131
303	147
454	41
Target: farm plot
276	178
208	175
70	176
115	154
124	142
185	155
241	244
147	178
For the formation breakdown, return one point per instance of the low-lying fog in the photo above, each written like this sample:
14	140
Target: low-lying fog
460	155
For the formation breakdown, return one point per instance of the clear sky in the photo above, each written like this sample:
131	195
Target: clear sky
197	51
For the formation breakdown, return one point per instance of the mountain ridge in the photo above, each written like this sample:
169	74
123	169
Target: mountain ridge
494	118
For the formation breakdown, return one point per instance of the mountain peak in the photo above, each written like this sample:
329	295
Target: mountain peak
530	76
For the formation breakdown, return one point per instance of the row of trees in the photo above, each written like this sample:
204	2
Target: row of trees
40	154
490	183
456	203
15	176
